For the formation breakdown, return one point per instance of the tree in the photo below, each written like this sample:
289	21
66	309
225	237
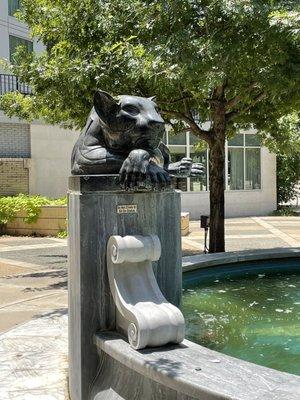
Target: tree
288	175
283	139
233	63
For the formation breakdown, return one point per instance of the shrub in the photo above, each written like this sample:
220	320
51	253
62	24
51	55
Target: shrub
288	174
284	211
63	234
32	205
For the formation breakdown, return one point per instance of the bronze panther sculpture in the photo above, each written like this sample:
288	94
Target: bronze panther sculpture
124	137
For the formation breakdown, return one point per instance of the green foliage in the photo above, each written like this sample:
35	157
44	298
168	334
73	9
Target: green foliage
284	212
180	50
11	205
233	63
63	234
283	138
288	174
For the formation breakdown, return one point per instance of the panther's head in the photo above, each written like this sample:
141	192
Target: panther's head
129	122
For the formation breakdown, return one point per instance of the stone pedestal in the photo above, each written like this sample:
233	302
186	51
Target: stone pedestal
98	209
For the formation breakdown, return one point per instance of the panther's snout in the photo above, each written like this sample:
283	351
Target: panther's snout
155	119
147	142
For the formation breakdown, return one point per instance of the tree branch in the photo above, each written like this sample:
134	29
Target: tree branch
185	103
218	93
236	99
175	101
257	99
202	134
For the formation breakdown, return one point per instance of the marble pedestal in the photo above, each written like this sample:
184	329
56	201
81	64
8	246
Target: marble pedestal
98	209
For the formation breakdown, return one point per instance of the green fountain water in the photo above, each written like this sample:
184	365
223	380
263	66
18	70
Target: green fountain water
255	318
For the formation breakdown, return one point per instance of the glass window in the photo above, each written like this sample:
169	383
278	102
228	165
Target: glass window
244	162
179	139
15	42
237	140
252	140
181	183
200	183
194	139
253	178
177	152
235	169
13	6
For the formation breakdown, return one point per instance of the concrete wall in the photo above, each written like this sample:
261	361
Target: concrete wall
51	149
240	202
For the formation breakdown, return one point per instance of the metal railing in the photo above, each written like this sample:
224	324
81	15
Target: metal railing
12	83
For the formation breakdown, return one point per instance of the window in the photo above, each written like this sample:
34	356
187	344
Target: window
200	183
14	43
252	179
181	183
244	166
243	160
252	140
179	148
13	6
176	140
235	169
237	140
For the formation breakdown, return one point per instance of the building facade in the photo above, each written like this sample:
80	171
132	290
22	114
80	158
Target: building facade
35	158
250	176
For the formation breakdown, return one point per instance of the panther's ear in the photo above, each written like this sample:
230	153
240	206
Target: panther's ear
153	98
104	104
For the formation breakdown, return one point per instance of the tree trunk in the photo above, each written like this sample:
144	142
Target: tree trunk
217	180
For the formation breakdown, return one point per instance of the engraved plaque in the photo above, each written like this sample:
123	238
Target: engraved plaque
127	209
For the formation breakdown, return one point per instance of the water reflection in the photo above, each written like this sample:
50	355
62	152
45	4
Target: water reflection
256	318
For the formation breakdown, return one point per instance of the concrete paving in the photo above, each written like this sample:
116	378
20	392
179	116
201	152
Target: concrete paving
33	360
249	234
33	279
33	271
33	298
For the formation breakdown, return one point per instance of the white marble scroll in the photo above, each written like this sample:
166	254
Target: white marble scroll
142	310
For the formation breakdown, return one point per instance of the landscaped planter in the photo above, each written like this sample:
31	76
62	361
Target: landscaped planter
185	223
51	221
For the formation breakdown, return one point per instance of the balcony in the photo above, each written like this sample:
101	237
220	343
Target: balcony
11	83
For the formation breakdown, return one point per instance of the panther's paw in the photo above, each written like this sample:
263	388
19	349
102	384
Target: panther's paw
157	177
197	170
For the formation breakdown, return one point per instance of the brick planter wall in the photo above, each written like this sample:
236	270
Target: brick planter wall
53	219
14	176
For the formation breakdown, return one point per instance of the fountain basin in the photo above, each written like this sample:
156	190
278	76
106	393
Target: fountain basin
190	371
250	311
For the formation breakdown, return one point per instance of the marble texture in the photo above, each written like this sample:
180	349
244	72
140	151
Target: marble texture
33	360
143	313
183	372
93	218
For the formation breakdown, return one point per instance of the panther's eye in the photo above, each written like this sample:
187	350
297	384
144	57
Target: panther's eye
130	109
